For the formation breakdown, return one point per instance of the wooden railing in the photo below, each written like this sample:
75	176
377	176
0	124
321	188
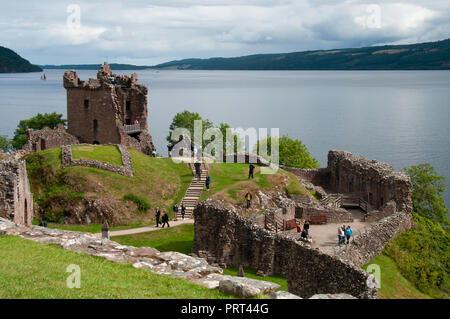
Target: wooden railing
274	223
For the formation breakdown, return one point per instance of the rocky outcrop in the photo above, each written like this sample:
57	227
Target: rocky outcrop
173	264
237	240
126	169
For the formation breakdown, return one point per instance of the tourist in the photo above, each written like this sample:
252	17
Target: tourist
197	170
340	236
165	219
183	211
348	233
304	234
192	149
299	229
250	171
207	182
306	227
158	215
175	211
42	223
248	197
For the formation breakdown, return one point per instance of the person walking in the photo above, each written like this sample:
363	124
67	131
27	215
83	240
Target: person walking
175	211
165	219
251	168
348	233
207	182
248	198
306	227
183	211
340	236
158	215
197	166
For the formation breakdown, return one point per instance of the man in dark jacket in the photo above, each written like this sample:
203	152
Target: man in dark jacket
197	170
208	182
158	215
251	168
183	211
165	220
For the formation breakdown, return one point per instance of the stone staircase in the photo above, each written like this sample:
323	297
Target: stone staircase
193	192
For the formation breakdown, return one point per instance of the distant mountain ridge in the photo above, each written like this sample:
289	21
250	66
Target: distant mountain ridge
421	56
11	62
113	66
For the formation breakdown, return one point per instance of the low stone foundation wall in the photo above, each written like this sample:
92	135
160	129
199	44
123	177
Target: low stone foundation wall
126	169
229	240
333	215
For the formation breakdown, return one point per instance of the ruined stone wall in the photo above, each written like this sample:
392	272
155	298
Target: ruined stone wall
316	176
98	109
333	215
97	122
48	138
370	243
225	238
126	169
376	182
16	199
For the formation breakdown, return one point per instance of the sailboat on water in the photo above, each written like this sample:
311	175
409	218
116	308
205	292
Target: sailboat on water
43	77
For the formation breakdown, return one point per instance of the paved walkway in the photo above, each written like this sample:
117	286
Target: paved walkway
325	236
147	229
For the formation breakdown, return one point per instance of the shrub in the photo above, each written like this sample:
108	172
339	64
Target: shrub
142	204
423	256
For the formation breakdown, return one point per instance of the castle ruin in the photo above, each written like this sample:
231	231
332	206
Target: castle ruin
110	109
16	199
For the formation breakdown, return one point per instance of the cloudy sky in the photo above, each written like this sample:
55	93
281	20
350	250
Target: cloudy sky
150	32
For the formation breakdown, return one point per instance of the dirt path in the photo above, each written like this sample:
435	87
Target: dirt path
146	229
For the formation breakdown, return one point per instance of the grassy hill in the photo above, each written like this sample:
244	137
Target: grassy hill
35	270
230	183
421	56
11	62
60	193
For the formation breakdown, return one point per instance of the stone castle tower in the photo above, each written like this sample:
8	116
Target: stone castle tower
111	109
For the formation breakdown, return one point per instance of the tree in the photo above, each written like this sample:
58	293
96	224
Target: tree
292	153
5	143
427	191
37	122
186	120
238	143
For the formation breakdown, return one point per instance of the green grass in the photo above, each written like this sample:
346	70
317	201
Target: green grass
35	270
230	180
103	153
161	182
393	284
92	228
251	273
179	238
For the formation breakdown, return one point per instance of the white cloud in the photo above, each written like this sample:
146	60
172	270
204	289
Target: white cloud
149	32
